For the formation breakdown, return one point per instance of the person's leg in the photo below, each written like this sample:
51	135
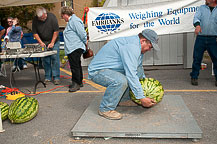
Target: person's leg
212	50
24	63
40	63
15	65
75	65
199	48
47	68
126	95
15	62
81	74
116	84
55	63
20	63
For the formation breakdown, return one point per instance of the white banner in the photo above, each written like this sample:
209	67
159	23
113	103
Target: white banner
164	18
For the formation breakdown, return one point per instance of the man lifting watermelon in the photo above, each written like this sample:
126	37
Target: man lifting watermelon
118	66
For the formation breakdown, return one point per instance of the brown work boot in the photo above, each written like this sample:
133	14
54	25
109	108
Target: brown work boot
112	115
128	103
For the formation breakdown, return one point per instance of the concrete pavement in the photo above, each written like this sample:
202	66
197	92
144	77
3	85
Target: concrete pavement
59	110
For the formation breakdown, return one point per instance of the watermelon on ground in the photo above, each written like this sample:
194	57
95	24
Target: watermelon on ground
152	89
23	109
4	110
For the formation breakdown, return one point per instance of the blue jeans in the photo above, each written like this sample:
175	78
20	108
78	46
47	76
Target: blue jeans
117	87
19	62
203	43
52	65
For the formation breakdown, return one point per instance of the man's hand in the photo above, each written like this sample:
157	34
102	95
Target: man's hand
42	44
14	22
197	30
50	45
147	102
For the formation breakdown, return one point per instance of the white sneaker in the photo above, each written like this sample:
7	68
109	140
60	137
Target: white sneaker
25	66
46	81
14	68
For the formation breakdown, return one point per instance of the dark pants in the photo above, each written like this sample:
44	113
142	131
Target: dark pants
203	43
19	62
75	65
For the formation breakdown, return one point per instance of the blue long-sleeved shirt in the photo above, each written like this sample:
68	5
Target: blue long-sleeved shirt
15	34
74	34
122	55
207	20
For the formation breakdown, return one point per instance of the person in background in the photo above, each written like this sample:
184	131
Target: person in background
2	32
15	32
14	35
75	41
118	66
205	22
23	64
45	29
10	24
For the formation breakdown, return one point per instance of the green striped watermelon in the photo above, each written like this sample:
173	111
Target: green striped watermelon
4	110
152	89
23	109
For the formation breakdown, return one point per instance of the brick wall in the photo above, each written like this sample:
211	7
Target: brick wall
78	7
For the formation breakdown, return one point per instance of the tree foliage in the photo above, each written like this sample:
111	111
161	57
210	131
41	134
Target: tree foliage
23	13
98	3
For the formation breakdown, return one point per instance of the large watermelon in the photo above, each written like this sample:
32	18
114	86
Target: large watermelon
4	110
152	89
23	109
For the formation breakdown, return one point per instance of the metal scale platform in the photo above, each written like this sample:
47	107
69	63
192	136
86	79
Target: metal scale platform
169	119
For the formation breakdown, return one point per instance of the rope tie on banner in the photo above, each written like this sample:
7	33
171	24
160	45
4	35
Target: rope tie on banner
84	18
